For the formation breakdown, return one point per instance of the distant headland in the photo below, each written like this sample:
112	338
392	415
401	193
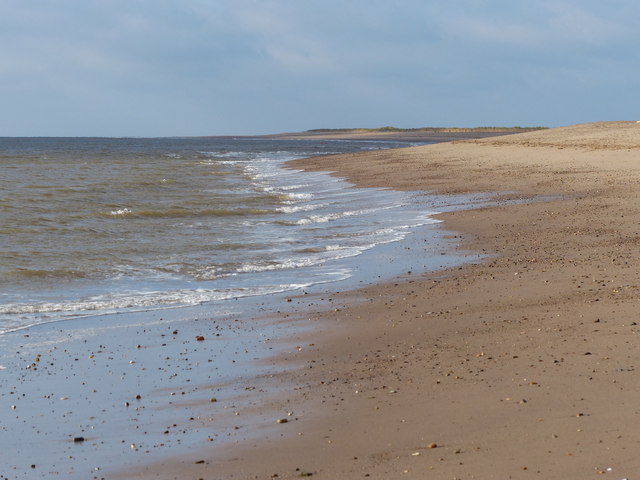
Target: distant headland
422	134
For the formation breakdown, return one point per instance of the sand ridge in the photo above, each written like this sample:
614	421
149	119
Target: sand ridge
521	366
589	136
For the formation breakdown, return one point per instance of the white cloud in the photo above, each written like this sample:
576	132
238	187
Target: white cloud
234	64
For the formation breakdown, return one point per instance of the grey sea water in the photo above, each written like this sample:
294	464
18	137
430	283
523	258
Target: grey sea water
101	225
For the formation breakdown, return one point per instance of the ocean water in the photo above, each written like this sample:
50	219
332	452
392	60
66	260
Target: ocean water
90	226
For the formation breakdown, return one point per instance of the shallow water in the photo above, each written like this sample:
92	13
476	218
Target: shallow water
94	226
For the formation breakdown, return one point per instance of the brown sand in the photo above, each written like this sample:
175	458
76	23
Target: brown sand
523	366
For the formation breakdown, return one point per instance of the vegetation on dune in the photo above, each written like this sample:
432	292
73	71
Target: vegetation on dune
425	129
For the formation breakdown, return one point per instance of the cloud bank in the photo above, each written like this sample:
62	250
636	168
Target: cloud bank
224	67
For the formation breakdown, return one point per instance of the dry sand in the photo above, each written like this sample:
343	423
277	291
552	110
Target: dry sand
522	366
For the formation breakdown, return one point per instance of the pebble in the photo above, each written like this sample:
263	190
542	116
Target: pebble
199	338
432	445
78	439
282	420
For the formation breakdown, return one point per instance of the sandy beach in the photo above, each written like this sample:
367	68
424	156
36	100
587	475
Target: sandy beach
519	366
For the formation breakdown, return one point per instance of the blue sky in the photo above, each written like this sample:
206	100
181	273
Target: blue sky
234	67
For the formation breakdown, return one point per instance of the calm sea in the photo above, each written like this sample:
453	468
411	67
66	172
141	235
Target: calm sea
101	225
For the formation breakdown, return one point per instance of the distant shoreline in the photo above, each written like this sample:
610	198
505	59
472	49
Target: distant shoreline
427	134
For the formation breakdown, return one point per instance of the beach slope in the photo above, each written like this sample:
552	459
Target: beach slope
521	366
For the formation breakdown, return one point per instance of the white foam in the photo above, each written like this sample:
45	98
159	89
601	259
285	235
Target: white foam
300	208
120	212
300	196
330	217
287	264
140	301
293	187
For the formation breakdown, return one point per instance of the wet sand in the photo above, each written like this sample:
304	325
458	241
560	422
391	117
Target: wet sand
519	366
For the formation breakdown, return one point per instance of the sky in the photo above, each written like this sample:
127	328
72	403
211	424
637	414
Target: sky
247	67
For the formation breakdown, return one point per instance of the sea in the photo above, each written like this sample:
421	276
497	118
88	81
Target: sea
94	226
